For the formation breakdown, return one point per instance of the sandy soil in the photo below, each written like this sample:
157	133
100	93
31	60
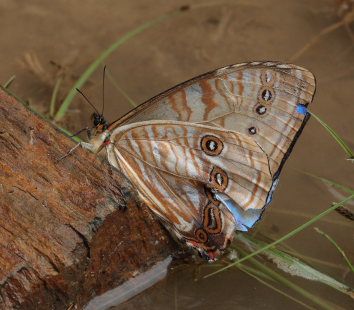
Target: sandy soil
37	36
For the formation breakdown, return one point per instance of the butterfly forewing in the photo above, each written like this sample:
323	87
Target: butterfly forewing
256	99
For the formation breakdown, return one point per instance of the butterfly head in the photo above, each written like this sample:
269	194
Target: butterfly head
98	134
99	122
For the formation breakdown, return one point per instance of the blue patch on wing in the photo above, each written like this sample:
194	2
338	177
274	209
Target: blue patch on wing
301	109
245	219
270	195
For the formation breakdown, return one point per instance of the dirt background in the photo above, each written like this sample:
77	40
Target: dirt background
38	36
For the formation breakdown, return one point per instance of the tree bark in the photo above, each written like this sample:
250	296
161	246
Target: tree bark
69	229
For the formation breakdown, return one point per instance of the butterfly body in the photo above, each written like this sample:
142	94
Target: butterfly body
206	155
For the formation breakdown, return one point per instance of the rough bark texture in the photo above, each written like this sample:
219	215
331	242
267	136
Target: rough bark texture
69	229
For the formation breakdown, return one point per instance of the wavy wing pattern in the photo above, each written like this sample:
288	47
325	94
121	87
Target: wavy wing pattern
206	154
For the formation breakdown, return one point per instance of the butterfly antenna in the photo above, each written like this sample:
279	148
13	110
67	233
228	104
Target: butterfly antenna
103	78
82	94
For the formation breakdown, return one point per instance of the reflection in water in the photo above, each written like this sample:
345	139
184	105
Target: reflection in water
130	288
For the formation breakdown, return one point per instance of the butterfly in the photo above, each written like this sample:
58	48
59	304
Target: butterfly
205	156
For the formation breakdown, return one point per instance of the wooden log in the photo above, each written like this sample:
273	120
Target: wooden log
69	229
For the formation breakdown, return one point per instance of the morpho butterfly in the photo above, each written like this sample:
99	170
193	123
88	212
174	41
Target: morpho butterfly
206	155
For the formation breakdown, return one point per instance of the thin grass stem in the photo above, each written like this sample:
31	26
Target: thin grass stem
282	280
315	39
54	96
335	136
9	81
340	250
256	272
98	61
316	260
294	266
330	182
291	251
121	90
307	216
251	274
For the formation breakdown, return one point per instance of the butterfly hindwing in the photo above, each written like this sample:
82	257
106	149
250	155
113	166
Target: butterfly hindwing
179	168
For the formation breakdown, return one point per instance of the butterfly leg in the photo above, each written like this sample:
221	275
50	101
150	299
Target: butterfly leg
85	145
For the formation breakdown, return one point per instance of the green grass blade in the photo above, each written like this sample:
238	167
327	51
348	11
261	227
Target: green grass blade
287	236
335	136
308	216
121	90
70	134
294	266
9	82
284	281
332	183
317	261
340	250
95	64
54	96
291	251
255	272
